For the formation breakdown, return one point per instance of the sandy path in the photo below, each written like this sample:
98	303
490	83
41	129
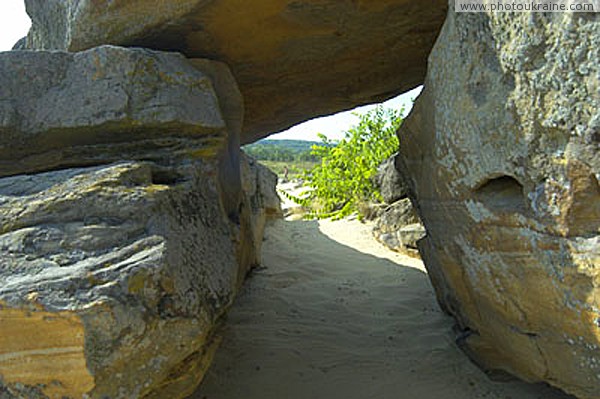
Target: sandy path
334	315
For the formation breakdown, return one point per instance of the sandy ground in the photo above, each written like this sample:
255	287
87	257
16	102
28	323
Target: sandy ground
332	314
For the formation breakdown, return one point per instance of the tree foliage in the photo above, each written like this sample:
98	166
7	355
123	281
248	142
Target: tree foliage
344	178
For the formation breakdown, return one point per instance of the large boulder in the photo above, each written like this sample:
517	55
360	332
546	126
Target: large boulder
259	187
390	182
398	227
62	109
122	226
293	60
502	155
112	279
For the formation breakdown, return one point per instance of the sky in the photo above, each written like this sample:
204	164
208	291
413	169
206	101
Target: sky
334	126
14	24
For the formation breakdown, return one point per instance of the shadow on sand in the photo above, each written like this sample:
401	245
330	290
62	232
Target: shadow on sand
321	320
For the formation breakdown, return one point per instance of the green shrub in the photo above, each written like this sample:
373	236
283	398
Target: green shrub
344	178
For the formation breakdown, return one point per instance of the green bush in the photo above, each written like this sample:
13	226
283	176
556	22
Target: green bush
344	178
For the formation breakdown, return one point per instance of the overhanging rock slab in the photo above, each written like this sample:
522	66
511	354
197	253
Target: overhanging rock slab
293	60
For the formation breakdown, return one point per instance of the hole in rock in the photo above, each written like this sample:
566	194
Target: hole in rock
165	177
503	193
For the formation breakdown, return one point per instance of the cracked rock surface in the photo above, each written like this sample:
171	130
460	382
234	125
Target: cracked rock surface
293	60
125	230
111	281
502	155
61	109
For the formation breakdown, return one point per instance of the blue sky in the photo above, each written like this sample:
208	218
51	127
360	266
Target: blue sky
14	24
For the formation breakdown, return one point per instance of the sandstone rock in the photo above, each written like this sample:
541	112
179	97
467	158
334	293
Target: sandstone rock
501	152
390	183
259	185
21	44
410	235
398	227
113	277
293	60
231	106
59	109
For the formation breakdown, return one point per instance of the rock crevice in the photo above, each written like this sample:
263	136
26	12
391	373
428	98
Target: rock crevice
114	275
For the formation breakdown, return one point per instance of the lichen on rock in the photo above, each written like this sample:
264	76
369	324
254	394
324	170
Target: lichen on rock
109	103
501	152
142	266
124	244
293	60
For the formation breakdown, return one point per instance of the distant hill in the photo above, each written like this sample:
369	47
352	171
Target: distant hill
281	150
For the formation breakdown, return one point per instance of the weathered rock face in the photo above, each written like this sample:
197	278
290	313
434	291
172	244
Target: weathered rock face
502	151
259	185
112	279
113	276
397	226
389	181
61	109
293	60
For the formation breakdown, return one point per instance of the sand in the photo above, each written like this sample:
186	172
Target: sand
332	314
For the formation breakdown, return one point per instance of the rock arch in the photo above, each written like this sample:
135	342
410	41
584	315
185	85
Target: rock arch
500	153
